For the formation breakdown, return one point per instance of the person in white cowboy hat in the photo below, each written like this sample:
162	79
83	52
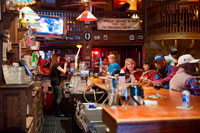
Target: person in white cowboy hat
183	79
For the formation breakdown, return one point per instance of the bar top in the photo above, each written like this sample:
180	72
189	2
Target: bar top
17	85
166	109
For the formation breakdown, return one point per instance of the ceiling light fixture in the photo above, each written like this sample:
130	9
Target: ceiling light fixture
86	16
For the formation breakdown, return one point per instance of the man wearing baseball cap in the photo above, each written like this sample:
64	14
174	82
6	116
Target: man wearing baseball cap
166	71
171	59
184	79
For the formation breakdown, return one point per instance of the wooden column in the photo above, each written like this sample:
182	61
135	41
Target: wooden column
86	52
1	47
1	61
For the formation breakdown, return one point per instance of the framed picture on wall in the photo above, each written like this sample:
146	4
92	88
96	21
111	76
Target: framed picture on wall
97	37
105	37
87	64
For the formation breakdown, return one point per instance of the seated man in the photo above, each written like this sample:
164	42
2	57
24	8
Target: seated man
171	59
113	67
183	79
166	71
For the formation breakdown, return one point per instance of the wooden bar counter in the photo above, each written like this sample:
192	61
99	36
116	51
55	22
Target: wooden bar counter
20	107
162	118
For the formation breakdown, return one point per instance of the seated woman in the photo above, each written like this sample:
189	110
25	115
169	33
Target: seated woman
129	68
183	79
104	68
147	65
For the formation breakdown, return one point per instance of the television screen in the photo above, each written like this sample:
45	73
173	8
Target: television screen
50	26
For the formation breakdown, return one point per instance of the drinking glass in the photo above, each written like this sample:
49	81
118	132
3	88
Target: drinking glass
108	83
158	86
127	78
124	94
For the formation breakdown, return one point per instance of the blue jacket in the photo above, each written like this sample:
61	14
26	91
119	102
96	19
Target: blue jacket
114	69
168	71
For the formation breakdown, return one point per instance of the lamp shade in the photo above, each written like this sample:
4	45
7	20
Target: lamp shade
25	2
28	13
29	17
86	16
33	24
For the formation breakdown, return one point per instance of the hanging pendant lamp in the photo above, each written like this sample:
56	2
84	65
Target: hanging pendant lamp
29	13
29	17
86	16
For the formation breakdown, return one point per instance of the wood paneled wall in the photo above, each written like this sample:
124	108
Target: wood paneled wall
173	17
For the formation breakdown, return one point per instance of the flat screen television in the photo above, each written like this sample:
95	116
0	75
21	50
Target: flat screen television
52	26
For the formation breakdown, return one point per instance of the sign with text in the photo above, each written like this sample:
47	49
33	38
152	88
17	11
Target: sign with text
118	24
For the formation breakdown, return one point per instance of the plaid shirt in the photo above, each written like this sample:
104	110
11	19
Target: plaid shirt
193	86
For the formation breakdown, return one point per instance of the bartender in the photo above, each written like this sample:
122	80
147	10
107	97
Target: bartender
55	82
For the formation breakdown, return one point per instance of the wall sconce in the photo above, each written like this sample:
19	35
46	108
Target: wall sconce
135	16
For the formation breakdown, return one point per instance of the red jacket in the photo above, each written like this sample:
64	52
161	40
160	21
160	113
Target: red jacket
151	76
137	75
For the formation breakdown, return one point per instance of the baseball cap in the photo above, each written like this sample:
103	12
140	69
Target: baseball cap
187	58
159	57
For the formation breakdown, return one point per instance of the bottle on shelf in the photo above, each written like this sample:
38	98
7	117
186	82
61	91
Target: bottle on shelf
90	79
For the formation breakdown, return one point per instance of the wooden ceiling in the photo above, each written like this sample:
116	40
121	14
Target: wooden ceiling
57	4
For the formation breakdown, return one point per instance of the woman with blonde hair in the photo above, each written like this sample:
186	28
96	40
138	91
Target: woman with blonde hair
55	70
129	68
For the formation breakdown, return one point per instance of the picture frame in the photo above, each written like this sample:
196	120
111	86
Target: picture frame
105	37
87	64
97	37
77	37
140	37
131	37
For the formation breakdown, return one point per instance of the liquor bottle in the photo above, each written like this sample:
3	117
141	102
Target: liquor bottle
33	60
90	79
122	79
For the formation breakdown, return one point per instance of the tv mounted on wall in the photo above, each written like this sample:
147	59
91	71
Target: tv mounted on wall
50	27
